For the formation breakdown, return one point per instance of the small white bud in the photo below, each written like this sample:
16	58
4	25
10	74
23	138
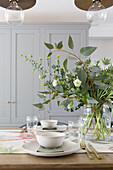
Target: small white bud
55	83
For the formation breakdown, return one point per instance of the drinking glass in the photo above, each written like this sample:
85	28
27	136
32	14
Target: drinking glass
32	123
73	128
35	123
29	125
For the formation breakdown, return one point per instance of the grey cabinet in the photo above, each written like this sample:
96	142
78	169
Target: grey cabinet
18	85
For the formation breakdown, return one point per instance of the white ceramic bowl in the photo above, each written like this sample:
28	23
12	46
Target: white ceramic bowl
50	139
48	123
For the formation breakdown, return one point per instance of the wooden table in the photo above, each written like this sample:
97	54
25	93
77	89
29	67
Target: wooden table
74	161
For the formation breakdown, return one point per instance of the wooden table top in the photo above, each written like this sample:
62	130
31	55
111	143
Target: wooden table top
74	161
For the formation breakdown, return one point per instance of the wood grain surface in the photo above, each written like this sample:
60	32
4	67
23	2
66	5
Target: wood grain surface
74	161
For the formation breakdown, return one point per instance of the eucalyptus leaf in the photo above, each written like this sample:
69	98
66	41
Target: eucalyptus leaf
70	104
87	51
94	69
92	100
82	76
99	83
85	88
47	101
58	103
39	105
65	64
59	88
45	92
71	58
50	46
102	77
54	95
49	54
42	96
65	103
59	45
70	43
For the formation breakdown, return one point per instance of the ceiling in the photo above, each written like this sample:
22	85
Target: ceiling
57	11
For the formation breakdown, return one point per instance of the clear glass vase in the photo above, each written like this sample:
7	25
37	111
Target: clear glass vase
95	124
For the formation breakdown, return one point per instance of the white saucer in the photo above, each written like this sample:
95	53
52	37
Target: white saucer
69	148
59	129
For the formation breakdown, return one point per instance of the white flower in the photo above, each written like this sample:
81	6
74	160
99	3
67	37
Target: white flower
77	82
55	83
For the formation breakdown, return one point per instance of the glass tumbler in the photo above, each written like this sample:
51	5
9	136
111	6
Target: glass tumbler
35	123
29	125
73	128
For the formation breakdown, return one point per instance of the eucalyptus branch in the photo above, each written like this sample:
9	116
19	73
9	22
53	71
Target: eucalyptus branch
82	63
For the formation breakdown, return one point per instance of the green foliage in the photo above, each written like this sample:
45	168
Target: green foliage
50	46
65	65
59	45
70	43
86	83
87	51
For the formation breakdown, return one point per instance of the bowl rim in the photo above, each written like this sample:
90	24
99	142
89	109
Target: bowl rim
57	134
48	120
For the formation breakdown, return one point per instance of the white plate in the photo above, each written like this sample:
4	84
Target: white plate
59	129
69	148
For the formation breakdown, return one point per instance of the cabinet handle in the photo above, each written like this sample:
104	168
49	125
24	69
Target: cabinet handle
9	102
13	101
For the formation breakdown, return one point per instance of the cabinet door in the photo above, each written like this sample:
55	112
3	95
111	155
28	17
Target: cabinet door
57	34
25	41
5	68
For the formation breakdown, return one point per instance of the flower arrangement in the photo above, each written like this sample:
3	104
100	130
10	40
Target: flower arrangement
87	83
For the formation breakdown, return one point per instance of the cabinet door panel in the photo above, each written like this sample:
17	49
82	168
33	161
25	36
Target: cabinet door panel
5	76
24	42
79	37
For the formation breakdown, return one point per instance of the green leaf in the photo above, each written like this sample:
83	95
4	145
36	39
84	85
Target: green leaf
54	96
42	96
39	105
59	45
110	95
99	83
92	100
82	76
70	43
49	54
59	88
65	103
71	58
94	69
102	77
47	101
70	104
65	64
86	51
78	63
58	103
45	92
50	46
85	88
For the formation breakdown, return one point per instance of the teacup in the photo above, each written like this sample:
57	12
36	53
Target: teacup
49	123
50	139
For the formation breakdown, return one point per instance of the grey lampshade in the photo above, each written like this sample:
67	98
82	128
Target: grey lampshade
85	4
24	4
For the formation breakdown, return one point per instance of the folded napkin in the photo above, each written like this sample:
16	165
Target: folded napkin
50	150
49	128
